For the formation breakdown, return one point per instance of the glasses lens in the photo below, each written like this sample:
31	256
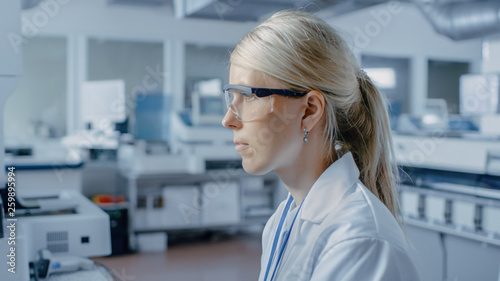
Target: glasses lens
247	106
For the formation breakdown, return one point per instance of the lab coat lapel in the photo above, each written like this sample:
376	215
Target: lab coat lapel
328	190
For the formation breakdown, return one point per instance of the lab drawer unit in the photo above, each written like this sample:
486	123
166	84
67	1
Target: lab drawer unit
166	207
222	204
216	200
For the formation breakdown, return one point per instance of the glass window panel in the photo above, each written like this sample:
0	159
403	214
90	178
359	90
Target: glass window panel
139	64
205	62
444	82
34	110
384	77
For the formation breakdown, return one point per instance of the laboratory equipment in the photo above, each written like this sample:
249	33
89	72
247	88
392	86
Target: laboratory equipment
479	94
152	118
193	150
490	124
77	228
119	223
46	264
212	146
33	206
207	102
480	98
435	115
103	104
450	200
83	230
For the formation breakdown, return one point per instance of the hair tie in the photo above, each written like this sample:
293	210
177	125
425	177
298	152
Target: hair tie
362	75
362	79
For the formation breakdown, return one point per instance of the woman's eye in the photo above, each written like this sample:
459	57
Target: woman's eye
250	97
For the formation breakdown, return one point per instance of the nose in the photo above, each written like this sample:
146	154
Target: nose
230	121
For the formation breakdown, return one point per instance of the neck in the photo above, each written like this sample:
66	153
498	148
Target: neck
300	176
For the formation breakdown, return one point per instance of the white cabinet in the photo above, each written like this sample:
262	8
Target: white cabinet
222	204
215	200
166	207
176	211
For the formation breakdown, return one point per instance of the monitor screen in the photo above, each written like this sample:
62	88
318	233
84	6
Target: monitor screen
208	102
212	106
103	101
435	114
209	87
152	117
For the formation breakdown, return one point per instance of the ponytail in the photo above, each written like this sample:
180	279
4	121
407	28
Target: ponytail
364	130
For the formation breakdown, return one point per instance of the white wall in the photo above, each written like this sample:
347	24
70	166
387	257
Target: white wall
397	29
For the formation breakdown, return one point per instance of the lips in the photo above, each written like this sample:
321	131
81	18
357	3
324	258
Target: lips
240	145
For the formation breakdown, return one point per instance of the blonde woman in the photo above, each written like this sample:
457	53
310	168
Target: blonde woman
299	105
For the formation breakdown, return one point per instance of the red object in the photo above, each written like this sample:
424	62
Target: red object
105	198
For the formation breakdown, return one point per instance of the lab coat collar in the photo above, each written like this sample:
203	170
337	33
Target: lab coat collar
329	188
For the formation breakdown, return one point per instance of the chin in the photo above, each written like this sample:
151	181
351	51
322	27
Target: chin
254	168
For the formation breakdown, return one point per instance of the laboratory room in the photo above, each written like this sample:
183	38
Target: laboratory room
150	140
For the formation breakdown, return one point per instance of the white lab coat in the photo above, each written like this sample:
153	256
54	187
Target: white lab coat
342	232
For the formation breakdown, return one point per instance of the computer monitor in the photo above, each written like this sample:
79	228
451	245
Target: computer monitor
208	102
103	104
152	118
435	114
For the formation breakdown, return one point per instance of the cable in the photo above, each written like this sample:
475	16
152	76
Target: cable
109	270
442	237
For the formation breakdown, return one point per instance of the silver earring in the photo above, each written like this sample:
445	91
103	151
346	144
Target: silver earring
306	135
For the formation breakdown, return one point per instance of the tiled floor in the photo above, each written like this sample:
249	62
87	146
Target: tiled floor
234	258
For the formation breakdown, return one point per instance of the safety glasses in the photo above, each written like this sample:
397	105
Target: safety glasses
248	103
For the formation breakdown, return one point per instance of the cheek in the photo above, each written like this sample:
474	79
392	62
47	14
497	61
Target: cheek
263	148
287	146
275	142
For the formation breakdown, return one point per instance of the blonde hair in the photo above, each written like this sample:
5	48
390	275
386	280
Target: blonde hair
306	53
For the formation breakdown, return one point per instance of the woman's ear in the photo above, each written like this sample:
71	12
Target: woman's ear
314	107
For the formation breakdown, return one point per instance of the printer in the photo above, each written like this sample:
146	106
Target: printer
65	223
